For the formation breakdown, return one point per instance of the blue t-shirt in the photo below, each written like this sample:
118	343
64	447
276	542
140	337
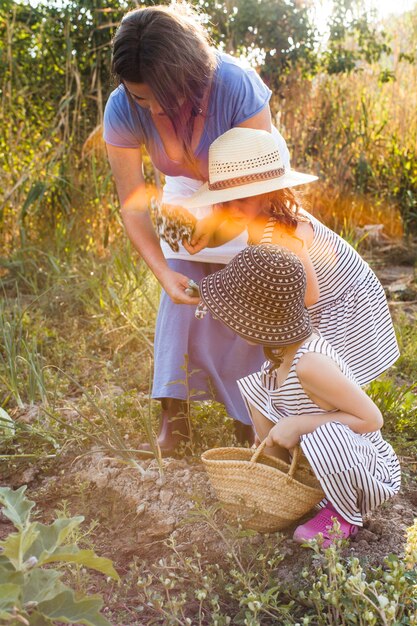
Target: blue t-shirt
237	94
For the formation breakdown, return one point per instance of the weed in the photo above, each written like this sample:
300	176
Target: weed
342	592
249	586
398	405
102	429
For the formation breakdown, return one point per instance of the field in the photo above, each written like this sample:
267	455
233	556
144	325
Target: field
76	346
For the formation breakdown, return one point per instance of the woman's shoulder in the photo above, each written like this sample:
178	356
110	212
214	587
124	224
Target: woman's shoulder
226	63
123	125
239	93
233	72
118	98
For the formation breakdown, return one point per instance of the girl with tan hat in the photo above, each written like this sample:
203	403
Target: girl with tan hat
252	188
305	392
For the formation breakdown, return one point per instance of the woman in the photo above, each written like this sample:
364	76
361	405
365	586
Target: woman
176	95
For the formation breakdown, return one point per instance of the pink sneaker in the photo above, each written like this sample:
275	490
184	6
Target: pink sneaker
322	523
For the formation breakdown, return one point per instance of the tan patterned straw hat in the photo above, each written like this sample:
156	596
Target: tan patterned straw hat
244	162
260	295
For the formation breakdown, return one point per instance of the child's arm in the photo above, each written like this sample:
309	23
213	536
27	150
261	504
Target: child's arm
329	388
298	243
213	231
262	427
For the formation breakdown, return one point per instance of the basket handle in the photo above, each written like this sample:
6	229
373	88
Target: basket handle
294	460
258	451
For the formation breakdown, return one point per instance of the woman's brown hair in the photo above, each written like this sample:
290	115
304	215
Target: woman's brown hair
166	48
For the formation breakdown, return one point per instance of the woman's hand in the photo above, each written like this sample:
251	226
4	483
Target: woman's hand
285	434
175	285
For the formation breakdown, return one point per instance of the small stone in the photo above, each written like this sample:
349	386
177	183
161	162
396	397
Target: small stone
101	480
140	509
367	535
26	477
397	287
165	496
175	464
163	528
376	527
150	477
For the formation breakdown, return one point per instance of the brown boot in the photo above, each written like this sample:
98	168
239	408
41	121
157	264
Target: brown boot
244	433
174	427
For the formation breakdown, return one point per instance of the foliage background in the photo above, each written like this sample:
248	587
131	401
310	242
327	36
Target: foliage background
346	106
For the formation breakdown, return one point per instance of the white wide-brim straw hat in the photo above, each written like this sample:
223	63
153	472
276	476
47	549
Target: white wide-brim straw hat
244	162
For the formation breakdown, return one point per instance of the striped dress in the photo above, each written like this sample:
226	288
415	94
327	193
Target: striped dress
357	472
352	311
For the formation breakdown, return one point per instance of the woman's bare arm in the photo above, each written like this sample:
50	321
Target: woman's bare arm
126	165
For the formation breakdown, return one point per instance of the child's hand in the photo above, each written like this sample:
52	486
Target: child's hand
285	434
202	235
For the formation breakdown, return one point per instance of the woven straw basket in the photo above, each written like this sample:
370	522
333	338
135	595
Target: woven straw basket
263	492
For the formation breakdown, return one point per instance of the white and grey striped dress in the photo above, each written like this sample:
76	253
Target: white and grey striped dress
352	311
357	472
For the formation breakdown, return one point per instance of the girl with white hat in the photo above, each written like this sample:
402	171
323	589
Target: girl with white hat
250	183
305	392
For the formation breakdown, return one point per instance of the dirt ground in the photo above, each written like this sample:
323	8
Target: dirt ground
136	513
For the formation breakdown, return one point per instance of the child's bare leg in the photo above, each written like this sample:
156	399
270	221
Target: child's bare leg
262	427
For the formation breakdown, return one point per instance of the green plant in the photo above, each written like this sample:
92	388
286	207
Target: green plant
249	584
342	592
407	339
242	589
351	234
31	590
398	405
21	365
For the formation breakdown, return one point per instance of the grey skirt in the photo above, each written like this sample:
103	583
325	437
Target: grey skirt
200	359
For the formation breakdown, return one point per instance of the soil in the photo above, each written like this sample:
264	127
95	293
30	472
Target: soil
137	513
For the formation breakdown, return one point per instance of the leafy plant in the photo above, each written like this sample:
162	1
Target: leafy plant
398	405
186	590
342	592
249	588
31	590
